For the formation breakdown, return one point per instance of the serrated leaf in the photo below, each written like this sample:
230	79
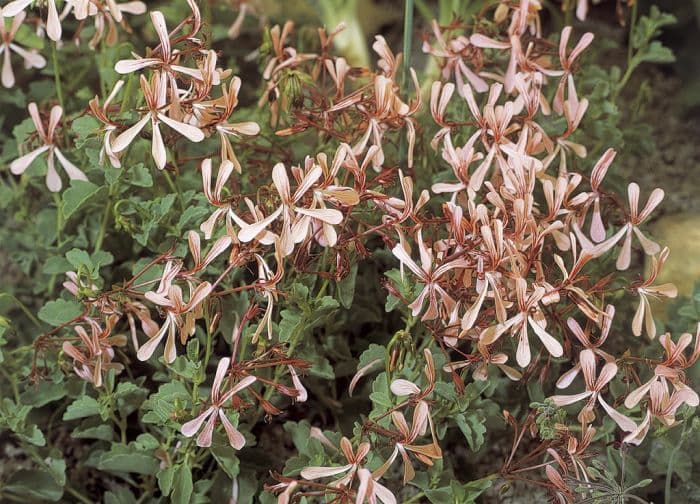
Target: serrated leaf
346	288
165	480
125	459
473	428
82	407
182	485
79	192
59	312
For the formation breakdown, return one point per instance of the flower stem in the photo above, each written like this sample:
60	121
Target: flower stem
57	75
103	225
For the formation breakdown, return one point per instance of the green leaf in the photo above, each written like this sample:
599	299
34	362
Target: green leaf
472	426
102	431
78	258
657	53
85	126
182	485
59	312
346	288
380	392
43	393
79	192
663	451
35	484
226	458
140	176
165	480
125	459
82	407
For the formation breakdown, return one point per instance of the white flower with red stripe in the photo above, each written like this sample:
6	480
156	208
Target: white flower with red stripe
32	58
216	410
48	136
155	93
53	22
594	388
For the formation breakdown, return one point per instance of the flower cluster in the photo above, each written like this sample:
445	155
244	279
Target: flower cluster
505	264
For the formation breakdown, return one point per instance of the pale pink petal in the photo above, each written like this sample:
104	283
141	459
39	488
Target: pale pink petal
19	165
221	370
303	394
126	137
311	473
191	428
588	365
158	147
637	436
8	76
158	21
73	172
650	247
639	315
244	383
552	345
331	216
480	40
384	494
235	438
15	7
309	180
190	132
567	378
128	66
401	387
281	181
565	400
251	231
53	181
625	257
522	354
636	395
205	437
53	23
146	350
606	374
657	195
625	423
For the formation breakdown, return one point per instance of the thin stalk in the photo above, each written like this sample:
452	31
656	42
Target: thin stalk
23	307
633	25
57	75
407	40
103	225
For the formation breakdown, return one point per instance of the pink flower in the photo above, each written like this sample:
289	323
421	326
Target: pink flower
175	308
297	219
210	414
406	443
48	136
156	96
594	386
529	315
662	406
635	219
32	59
429	275
370	489
646	290
53	23
456	53
585	339
671	368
